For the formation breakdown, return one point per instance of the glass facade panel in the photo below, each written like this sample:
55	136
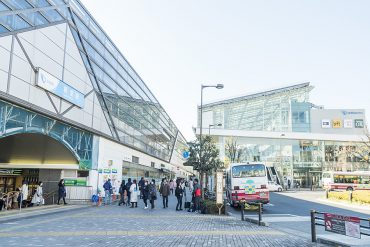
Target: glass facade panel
3	7
14	22
133	114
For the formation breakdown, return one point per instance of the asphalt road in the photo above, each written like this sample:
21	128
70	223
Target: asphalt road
292	215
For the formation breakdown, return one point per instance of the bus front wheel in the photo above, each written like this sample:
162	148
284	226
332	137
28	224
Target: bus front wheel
349	189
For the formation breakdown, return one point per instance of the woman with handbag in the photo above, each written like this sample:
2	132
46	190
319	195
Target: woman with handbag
37	198
134	194
61	191
152	193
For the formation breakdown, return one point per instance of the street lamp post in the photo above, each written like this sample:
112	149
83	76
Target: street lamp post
213	125
218	86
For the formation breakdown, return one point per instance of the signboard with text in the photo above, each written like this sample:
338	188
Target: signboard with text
345	225
219	187
58	87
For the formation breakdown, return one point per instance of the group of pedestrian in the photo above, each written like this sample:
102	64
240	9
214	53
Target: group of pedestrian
134	190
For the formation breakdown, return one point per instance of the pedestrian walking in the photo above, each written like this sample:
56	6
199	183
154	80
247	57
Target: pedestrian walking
145	193
128	186
62	191
141	185
179	194
134	191
197	193
165	192
172	186
108	192
37	198
152	193
122	190
24	193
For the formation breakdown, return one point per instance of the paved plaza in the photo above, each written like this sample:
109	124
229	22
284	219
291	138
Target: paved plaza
122	226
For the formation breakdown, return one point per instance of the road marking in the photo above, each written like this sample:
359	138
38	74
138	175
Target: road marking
142	233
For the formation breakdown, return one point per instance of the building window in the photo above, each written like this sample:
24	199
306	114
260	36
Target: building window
110	162
82	174
152	164
163	165
135	159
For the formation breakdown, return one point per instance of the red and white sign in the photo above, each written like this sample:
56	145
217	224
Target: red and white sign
345	225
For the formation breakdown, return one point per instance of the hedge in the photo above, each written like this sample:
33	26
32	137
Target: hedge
359	196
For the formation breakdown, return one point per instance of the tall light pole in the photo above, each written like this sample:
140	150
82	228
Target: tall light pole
218	86
213	125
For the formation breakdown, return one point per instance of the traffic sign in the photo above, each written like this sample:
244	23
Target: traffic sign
186	154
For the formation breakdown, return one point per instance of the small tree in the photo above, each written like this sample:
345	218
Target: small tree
363	150
209	161
233	150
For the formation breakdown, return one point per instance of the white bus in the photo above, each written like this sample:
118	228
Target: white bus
247	181
358	180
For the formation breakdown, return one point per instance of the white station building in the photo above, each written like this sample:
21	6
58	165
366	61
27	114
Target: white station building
72	107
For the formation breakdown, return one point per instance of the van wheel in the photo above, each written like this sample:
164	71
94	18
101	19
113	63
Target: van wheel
280	190
349	189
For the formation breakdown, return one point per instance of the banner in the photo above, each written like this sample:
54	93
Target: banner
59	88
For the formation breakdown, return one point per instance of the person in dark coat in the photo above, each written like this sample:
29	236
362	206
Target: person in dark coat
128	186
141	185
145	193
152	193
121	191
179	193
61	191
165	192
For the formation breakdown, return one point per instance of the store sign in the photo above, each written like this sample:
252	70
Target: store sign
359	123
11	171
345	113
348	123
107	171
114	170
59	88
345	225
325	124
337	123
75	182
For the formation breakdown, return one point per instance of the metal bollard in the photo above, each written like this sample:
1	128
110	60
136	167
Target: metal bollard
350	196
225	206
242	205
259	213
327	194
313	227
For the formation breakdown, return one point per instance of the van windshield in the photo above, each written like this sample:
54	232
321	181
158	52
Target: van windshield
244	171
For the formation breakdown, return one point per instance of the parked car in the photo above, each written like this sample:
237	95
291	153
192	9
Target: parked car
272	186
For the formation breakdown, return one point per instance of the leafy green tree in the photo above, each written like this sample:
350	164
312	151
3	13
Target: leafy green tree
206	163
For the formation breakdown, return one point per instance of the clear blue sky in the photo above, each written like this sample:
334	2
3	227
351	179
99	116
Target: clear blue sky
247	45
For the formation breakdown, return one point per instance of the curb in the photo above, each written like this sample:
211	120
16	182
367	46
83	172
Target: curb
18	217
254	221
331	242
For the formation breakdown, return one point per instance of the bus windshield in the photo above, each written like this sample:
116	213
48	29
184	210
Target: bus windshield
245	171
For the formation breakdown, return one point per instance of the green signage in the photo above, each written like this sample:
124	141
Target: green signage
75	182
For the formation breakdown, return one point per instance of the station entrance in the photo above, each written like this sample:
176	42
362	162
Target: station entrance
33	158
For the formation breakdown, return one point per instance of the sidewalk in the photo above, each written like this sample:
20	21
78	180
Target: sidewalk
112	225
26	213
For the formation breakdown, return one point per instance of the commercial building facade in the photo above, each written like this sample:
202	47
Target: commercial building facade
295	138
71	106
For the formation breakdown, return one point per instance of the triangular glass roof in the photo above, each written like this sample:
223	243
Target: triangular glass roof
133	113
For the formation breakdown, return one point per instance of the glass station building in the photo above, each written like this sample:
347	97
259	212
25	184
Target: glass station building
71	105
295	138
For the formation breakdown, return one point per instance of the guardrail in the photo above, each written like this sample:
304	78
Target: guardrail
314	223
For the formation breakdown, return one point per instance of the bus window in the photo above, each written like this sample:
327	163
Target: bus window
249	171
